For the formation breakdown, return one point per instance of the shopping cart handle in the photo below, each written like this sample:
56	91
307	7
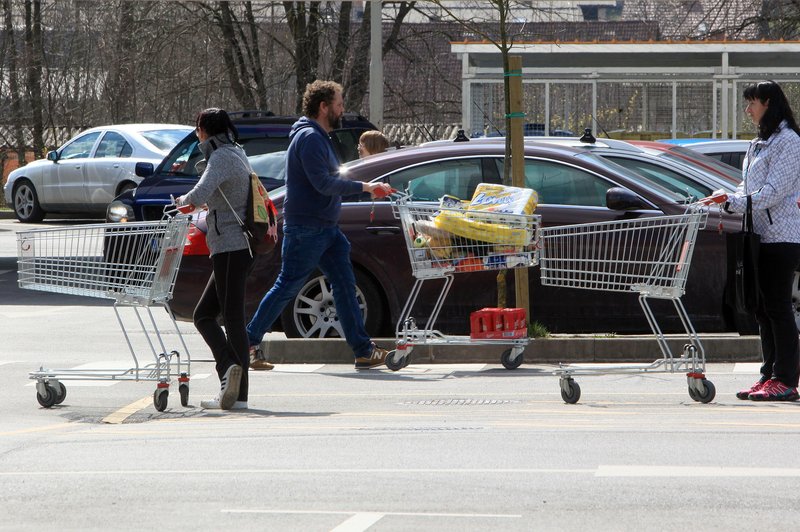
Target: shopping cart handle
380	193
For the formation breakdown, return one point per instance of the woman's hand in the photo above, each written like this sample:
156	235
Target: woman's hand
184	207
718	196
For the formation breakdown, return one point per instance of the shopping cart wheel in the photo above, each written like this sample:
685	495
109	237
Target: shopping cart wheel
183	389
47	399
708	396
570	391
60	391
394	361
160	398
507	362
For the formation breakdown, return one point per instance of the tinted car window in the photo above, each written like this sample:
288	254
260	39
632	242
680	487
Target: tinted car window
561	184
667	178
429	182
181	161
164	139
717	165
80	148
113	145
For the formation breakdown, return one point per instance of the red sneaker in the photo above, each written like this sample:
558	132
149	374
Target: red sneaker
745	394
775	390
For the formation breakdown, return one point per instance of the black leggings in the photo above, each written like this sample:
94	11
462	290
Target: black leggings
224	295
779	342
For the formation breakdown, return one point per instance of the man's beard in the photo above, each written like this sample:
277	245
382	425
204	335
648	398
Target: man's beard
335	122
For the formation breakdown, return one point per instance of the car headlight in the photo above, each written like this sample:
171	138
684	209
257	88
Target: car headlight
119	212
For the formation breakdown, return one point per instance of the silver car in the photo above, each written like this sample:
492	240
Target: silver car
89	171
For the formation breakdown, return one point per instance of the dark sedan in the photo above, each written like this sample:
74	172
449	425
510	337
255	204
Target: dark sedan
574	186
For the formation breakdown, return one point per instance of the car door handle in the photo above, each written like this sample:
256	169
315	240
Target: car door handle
384	230
116	165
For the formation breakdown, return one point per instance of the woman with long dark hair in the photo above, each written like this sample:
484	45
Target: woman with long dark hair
223	186
772	183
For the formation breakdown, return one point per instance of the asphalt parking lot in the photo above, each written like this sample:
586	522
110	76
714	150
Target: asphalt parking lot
449	446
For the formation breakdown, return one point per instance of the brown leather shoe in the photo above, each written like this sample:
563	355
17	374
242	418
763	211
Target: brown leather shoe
257	360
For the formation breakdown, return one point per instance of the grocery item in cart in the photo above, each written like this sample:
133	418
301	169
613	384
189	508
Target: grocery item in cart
489	197
476	226
482	218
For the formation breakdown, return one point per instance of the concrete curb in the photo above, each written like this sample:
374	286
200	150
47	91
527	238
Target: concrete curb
7	215
718	348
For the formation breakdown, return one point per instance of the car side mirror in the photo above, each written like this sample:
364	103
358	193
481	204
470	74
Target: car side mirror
622	199
52	156
144	169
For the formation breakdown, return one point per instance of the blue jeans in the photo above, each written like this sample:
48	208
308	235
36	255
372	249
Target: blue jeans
304	249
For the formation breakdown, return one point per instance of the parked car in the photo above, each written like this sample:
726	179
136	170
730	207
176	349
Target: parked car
574	186
263	136
89	171
730	152
690	178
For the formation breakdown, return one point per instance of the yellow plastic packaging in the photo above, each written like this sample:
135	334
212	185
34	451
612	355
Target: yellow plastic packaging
502	199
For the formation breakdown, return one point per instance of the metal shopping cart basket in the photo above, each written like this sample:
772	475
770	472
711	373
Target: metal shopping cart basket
650	256
134	264
442	242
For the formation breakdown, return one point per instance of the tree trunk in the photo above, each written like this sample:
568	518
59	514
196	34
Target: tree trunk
359	71
342	42
122	82
13	82
33	56
305	34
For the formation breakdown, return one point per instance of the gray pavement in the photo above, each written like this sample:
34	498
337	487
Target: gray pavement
454	445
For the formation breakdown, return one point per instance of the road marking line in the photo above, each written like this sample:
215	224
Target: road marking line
344	512
358	522
747	367
127	411
694	472
293	368
139	472
35	429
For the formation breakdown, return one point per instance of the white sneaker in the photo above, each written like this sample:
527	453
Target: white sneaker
213	404
229	387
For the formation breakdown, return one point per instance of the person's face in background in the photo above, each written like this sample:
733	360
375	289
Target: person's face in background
201	134
362	151
755	110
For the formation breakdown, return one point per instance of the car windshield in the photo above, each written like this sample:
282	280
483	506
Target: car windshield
164	139
718	166
676	196
272	165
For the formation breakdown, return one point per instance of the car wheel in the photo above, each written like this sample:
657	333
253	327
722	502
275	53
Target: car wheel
124	187
312	314
26	203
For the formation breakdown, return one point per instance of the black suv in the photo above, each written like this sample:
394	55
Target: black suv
265	138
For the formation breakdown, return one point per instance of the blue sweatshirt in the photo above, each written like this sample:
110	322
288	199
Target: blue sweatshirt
314	189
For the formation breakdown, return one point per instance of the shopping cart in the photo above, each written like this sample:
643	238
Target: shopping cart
650	256
442	242
134	264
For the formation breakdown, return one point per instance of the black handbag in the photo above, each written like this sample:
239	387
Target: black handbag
743	293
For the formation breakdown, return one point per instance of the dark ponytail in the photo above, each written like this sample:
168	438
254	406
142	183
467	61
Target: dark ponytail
215	121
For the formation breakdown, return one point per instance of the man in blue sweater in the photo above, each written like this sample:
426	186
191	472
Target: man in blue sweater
311	235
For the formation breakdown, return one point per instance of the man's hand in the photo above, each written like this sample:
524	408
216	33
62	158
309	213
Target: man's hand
378	190
718	196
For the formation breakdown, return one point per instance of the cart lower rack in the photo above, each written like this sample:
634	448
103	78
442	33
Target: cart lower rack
442	242
650	256
134	264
